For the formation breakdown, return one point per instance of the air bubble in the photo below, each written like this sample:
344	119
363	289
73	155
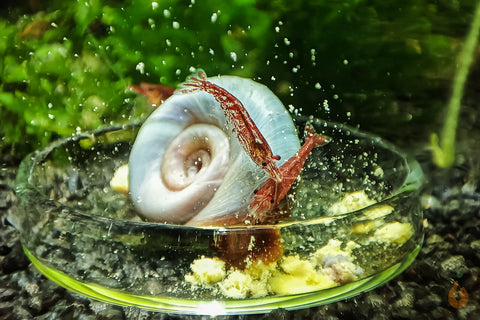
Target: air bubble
214	17
140	67
326	107
151	22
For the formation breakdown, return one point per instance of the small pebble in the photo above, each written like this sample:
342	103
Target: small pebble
454	264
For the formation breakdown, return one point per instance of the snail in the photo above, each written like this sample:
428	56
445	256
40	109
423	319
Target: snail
188	164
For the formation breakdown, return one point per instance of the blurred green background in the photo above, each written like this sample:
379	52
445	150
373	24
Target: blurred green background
386	66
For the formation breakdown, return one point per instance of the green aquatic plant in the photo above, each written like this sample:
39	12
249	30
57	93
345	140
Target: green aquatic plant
66	68
443	148
384	66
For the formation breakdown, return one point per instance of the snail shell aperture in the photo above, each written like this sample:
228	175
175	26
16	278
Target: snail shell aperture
187	165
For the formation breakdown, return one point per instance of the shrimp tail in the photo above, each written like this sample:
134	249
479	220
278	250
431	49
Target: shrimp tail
317	139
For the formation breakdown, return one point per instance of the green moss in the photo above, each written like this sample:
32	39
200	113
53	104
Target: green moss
66	68
384	65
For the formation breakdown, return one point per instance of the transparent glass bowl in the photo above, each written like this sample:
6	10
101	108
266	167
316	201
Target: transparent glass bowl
356	223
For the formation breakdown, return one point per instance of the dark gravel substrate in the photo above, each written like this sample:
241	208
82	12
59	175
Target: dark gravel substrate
451	253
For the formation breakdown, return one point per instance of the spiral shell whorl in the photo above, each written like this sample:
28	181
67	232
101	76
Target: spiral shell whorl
212	178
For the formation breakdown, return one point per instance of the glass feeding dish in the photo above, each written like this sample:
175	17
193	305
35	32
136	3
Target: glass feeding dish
356	222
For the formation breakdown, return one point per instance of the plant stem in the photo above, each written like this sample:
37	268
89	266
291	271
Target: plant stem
444	150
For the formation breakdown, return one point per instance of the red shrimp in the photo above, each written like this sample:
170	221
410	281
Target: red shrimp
155	93
271	192
251	139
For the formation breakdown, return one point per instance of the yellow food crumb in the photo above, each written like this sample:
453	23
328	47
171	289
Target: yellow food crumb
363	227
299	276
331	249
237	285
207	271
293	284
253	282
294	265
260	271
378	211
373	213
351	202
395	232
119	180
327	267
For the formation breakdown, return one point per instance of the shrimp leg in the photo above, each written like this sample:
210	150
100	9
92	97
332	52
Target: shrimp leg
155	93
271	192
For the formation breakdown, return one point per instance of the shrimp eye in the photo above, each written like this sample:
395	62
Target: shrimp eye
255	191
272	201
276	157
264	163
